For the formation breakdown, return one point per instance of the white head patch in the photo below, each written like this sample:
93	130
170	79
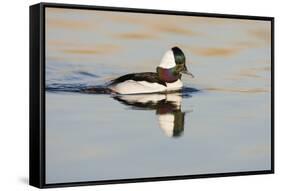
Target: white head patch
168	60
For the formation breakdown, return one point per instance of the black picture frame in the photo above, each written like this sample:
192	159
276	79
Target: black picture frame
37	95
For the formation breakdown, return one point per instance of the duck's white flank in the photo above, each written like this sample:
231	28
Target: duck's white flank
168	60
137	87
174	85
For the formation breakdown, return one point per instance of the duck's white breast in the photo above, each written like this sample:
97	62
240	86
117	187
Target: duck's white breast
137	87
174	85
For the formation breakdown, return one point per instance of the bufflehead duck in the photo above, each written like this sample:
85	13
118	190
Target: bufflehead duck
167	76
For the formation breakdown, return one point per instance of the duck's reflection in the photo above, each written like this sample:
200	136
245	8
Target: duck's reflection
167	106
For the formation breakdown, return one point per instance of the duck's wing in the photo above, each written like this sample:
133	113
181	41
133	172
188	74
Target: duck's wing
145	76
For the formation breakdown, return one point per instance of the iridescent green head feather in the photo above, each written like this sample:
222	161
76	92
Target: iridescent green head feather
172	66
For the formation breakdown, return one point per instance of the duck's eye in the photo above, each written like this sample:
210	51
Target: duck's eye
180	67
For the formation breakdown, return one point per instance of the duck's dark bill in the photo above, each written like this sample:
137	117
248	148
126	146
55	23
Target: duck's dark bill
188	73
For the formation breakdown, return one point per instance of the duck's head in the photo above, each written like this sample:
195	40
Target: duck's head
172	65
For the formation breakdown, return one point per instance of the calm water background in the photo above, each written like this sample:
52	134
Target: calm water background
95	137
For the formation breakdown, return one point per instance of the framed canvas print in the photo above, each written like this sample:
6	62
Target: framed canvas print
127	95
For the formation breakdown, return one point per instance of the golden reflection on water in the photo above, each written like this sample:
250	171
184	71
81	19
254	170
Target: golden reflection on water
214	51
172	28
97	49
67	24
136	35
249	73
246	44
261	34
229	90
